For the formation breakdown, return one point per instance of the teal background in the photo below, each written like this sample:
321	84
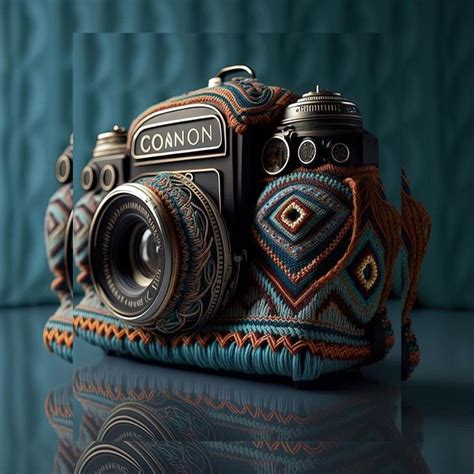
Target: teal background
407	64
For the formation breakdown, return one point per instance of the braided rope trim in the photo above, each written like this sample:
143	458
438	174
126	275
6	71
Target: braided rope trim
255	340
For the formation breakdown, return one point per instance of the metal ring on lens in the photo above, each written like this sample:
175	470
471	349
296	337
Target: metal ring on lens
307	142
346	148
265	147
63	169
108	183
158	293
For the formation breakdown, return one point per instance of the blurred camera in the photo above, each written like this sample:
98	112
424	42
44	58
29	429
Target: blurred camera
58	224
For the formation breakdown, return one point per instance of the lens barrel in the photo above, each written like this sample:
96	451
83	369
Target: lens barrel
160	253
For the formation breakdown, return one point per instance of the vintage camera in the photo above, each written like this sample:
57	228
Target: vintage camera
320	128
168	241
176	216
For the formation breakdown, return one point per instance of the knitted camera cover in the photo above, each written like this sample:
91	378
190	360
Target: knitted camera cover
58	331
314	299
324	244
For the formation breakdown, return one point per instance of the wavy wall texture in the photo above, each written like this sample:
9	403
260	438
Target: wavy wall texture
408	65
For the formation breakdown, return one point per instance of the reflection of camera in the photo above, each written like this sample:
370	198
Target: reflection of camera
164	420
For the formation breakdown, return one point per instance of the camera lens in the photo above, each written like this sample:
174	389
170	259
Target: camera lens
340	152
275	155
160	253
132	252
307	151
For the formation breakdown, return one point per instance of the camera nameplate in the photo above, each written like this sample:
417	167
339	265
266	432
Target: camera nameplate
186	141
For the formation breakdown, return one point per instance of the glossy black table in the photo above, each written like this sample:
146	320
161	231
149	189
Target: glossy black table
362	420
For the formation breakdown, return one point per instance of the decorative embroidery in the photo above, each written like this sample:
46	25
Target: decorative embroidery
293	215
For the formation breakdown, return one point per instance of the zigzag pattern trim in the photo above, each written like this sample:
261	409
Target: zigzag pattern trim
58	336
225	339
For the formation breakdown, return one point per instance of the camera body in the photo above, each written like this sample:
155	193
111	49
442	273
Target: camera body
238	227
193	141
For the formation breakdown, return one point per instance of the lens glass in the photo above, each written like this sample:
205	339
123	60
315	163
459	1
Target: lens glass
144	255
275	155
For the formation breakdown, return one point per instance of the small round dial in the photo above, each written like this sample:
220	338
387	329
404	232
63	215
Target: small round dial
340	152
307	151
275	155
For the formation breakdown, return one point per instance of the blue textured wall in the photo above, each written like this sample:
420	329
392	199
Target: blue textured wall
408	64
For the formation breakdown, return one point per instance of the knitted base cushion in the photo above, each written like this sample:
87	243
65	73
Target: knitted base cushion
58	332
314	299
58	335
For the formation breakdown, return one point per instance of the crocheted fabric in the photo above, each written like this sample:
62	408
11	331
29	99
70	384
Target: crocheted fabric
55	223
243	101
416	228
58	332
199	267
316	289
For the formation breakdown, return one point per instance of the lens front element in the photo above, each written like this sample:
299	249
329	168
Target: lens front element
144	255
